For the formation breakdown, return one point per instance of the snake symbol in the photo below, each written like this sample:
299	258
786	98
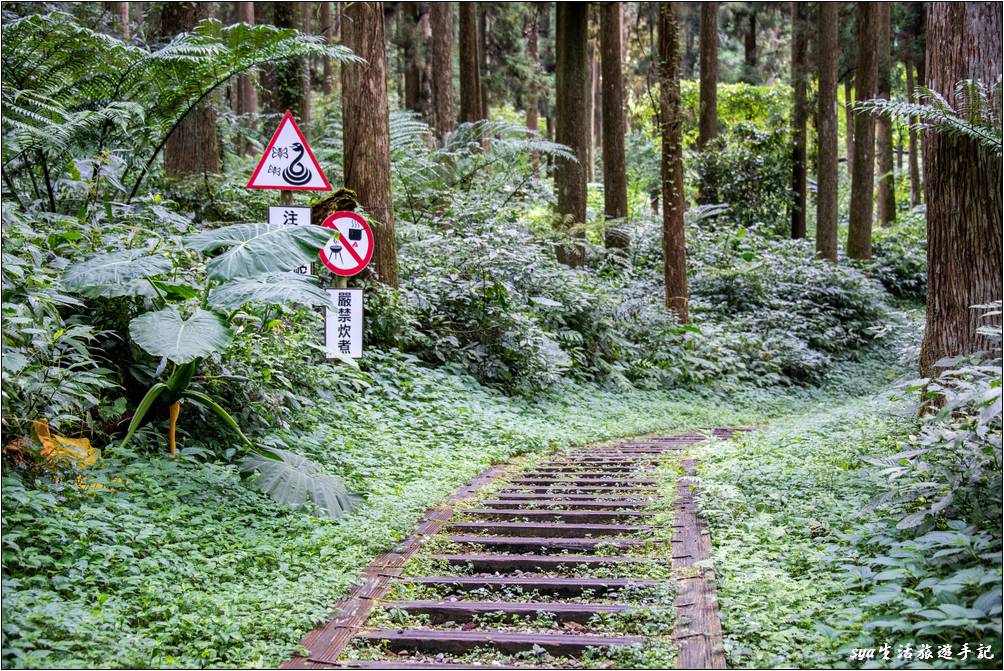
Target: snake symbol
295	173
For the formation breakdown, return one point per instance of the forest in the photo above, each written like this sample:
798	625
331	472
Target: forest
667	334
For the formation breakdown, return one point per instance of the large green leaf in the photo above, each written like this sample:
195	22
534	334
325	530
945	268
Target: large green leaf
295	480
259	249
275	288
115	274
168	333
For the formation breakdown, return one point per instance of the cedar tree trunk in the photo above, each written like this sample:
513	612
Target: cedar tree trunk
470	73
443	115
366	123
571	126
885	205
827	54
962	187
708	126
799	117
859	233
614	173
674	248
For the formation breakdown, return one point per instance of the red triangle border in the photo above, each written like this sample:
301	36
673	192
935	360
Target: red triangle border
310	153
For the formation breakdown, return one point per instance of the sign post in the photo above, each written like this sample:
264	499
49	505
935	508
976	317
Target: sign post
343	324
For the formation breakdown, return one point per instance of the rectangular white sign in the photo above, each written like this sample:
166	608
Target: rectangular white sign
343	324
290	216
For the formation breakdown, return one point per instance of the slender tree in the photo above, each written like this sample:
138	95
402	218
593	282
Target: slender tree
366	129
571	126
247	93
443	115
708	125
328	31
859	233
292	76
916	188
193	147
532	33
849	120
750	58
614	173
962	182
827	53
471	107
885	204
674	247
799	116
120	15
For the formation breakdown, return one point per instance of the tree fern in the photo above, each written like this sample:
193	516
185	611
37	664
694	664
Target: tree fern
69	91
976	113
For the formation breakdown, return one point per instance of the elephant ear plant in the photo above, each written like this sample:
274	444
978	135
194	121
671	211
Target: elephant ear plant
253	269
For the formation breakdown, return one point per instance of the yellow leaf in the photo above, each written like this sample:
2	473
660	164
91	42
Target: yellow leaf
61	451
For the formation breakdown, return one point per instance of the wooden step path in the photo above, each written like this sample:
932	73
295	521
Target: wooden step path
580	511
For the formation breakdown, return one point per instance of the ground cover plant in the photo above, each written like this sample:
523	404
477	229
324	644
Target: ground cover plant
188	479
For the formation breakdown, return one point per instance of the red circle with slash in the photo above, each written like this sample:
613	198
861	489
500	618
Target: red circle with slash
351	248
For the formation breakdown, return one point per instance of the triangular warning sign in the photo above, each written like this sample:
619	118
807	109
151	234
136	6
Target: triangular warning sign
288	162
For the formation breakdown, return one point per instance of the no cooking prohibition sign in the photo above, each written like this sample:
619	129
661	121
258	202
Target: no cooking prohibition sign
351	247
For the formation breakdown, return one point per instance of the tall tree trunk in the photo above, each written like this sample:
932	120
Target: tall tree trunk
408	40
749	48
590	112
799	116
483	55
708	126
532	32
120	17
886	199
328	30
443	115
614	171
962	188
849	122
470	73
193	147
859	227
571	126
247	93
292	78
916	188
827	54
674	246
366	124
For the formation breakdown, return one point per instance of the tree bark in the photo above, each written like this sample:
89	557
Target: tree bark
614	172
749	48
962	188
859	233
571	127
292	78
443	115
193	147
799	117
366	124
328	30
916	188
708	126
532	32
591	81
483	55
827	55
849	122
886	198
247	93
674	246
120	12
470	73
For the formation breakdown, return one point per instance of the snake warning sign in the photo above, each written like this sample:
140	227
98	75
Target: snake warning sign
288	162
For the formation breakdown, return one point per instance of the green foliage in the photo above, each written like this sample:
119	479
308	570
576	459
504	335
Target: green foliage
293	481
899	256
975	112
749	169
825	537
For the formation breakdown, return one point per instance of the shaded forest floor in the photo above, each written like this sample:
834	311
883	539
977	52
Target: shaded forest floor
177	563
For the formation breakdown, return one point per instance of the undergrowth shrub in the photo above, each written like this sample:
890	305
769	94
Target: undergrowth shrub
899	256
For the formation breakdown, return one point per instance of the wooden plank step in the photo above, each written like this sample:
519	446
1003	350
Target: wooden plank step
562	586
466	611
576	480
542	543
463	641
538	504
490	563
578	497
591	488
392	664
609	471
548	529
581	516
